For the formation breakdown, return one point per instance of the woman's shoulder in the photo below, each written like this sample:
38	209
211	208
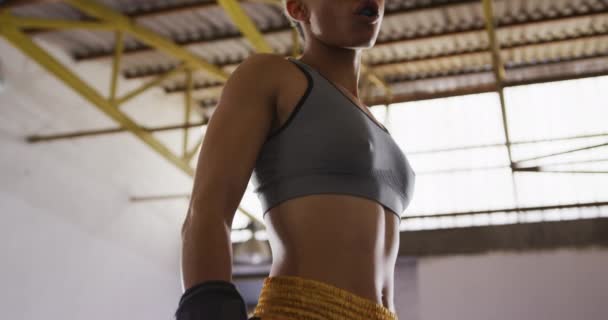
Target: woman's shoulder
275	68
268	66
268	62
260	73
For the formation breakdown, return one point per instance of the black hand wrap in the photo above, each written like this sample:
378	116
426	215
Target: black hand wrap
212	300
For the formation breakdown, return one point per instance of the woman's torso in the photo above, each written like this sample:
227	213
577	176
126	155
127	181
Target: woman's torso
348	241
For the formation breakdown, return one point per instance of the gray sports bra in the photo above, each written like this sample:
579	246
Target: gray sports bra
330	145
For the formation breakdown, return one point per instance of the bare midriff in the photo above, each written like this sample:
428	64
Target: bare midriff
347	241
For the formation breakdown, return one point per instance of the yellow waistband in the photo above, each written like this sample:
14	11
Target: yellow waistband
296	298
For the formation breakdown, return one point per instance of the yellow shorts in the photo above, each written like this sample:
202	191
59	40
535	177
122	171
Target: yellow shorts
296	298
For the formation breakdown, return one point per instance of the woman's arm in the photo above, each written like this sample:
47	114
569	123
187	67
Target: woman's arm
235	134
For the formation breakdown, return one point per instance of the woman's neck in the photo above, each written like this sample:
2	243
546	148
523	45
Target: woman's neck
339	65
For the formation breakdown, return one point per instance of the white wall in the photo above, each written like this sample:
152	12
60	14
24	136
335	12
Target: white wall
53	269
563	284
406	298
73	245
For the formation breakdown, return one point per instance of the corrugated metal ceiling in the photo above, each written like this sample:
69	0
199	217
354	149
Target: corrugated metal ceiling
422	44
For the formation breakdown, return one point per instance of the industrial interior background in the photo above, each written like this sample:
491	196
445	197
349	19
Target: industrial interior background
500	105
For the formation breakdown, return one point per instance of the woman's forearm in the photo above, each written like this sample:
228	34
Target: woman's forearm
206	251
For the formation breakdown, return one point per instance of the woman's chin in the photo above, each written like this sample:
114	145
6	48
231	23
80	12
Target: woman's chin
362	44
359	41
364	40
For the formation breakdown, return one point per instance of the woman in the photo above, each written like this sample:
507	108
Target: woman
331	180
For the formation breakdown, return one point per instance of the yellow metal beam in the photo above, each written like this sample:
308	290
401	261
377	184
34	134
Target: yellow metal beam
499	73
149	37
150	84
118	46
192	152
497	63
21	41
244	23
18	39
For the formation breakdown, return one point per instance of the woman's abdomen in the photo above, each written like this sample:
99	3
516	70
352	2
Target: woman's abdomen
343	240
